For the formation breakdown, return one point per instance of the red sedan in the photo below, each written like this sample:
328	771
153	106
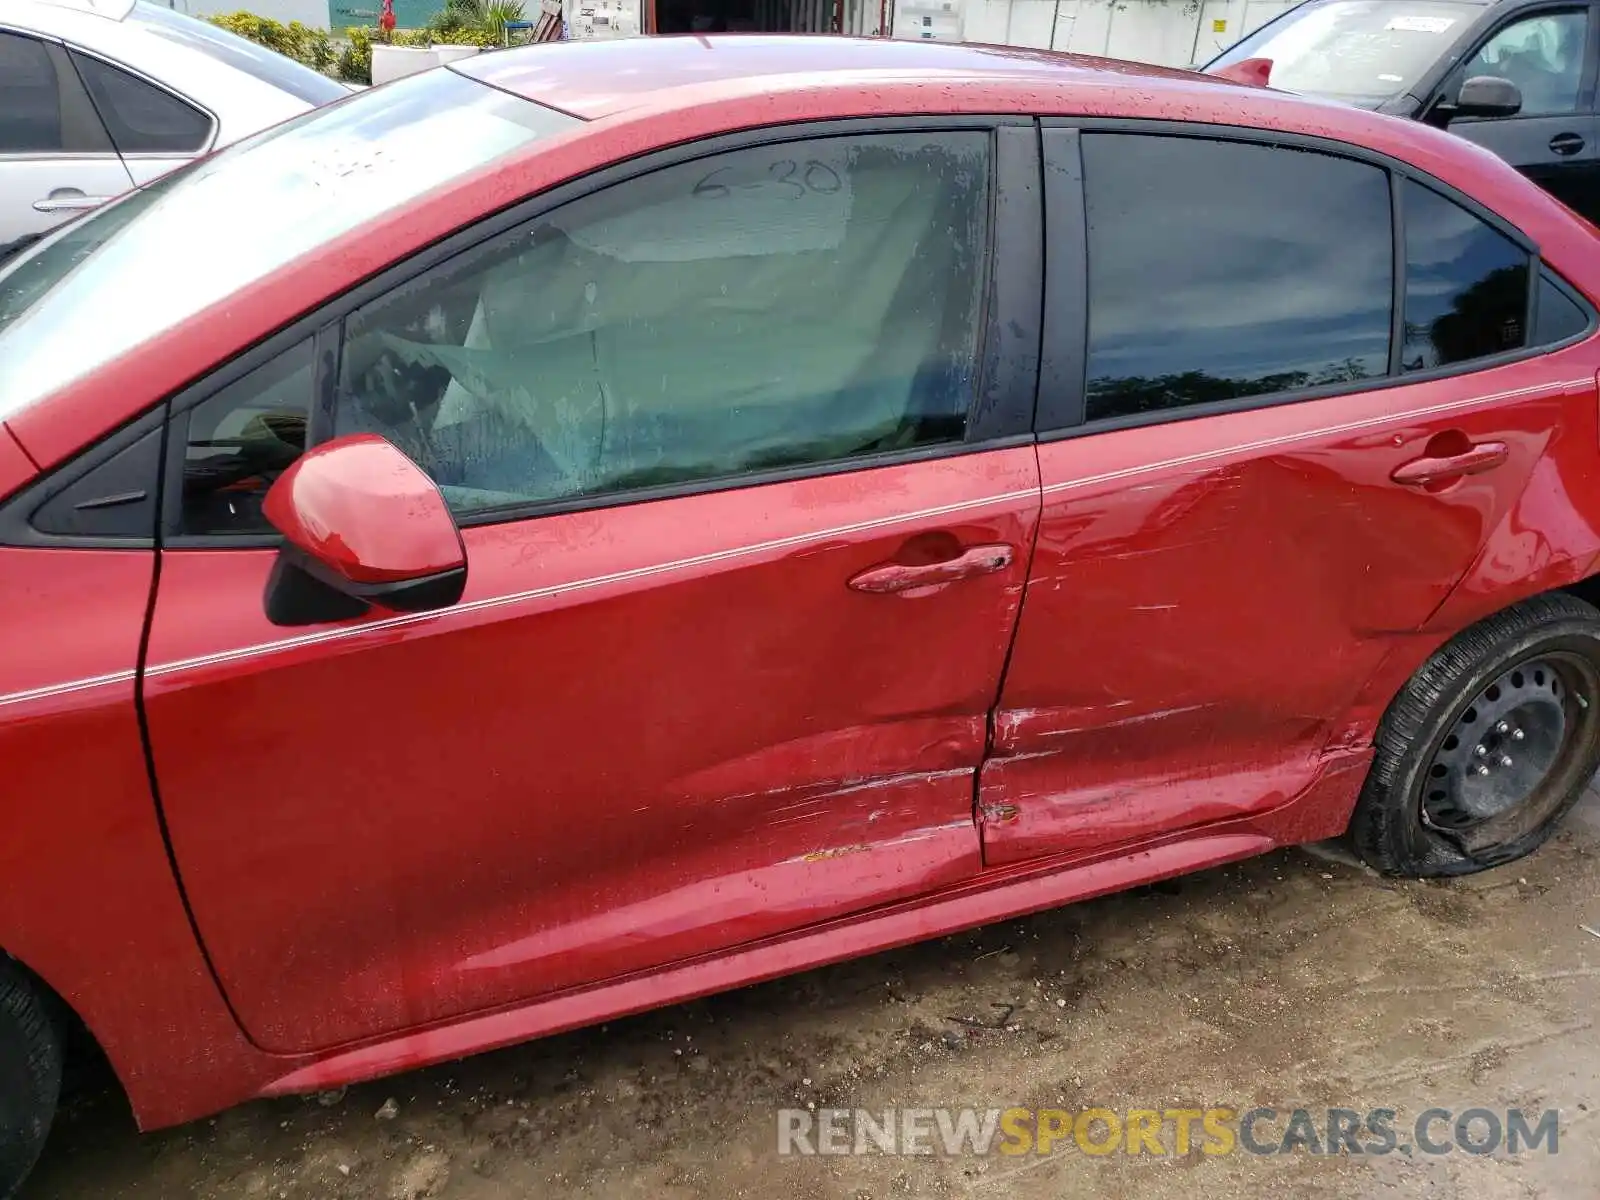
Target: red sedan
605	523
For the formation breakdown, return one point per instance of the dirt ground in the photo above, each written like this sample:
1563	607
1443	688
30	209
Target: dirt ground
1295	980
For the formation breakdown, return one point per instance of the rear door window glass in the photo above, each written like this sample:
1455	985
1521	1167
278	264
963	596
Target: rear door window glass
30	99
1220	270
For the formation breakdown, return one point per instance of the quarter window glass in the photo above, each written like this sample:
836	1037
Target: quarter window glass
30	103
1560	316
141	118
795	304
1267	270
240	440
1542	55
1466	285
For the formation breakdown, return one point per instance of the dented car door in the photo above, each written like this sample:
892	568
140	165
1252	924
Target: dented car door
1262	478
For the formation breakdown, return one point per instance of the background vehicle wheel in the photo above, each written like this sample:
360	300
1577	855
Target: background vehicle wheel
30	1074
1489	744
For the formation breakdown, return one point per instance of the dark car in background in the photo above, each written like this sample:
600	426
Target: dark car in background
1517	76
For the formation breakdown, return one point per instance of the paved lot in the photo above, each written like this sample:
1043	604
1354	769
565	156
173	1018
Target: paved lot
1289	981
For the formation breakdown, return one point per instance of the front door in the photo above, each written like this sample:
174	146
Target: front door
743	574
1246	502
1555	139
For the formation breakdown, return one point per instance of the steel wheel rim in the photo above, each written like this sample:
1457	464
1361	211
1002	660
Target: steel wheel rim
1512	754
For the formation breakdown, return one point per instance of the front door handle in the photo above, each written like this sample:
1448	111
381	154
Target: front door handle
1420	472
920	578
1566	143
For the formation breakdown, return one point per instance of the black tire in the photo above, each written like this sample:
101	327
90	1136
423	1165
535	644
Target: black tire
30	1074
1432	803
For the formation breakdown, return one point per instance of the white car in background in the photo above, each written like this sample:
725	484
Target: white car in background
99	96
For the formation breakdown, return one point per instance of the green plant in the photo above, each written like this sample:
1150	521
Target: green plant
320	50
466	36
355	60
474	22
313	47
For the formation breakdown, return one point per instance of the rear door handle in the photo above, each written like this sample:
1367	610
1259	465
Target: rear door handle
76	203
906	578
1566	143
1485	456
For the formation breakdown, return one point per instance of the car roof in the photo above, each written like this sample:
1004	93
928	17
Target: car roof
599	79
114	10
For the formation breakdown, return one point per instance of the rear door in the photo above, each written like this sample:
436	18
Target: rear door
1269	455
1549	52
741	448
56	159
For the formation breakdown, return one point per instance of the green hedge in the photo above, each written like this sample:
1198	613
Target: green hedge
314	47
355	60
350	55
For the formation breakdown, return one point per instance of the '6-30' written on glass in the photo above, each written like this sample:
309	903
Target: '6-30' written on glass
797	178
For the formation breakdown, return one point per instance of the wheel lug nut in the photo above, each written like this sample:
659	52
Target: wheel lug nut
1502	727
1517	735
1483	770
1505	760
1480	749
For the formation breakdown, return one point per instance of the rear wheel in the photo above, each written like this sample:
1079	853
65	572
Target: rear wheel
30	1074
1489	744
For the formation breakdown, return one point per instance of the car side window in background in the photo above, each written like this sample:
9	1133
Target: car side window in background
784	305
1543	55
30	100
1220	270
240	439
142	118
1466	284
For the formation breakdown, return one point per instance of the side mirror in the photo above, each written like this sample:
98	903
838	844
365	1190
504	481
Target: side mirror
1483	96
365	527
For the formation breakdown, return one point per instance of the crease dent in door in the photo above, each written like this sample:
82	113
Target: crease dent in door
1203	612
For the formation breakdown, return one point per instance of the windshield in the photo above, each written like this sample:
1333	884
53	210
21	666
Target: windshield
268	66
1358	51
121	274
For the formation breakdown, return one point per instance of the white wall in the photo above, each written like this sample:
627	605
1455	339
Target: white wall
1175	33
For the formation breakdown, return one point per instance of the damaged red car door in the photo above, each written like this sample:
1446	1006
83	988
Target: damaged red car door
743	567
1233	537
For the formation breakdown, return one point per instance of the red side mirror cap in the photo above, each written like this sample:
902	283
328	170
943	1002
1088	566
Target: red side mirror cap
365	526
